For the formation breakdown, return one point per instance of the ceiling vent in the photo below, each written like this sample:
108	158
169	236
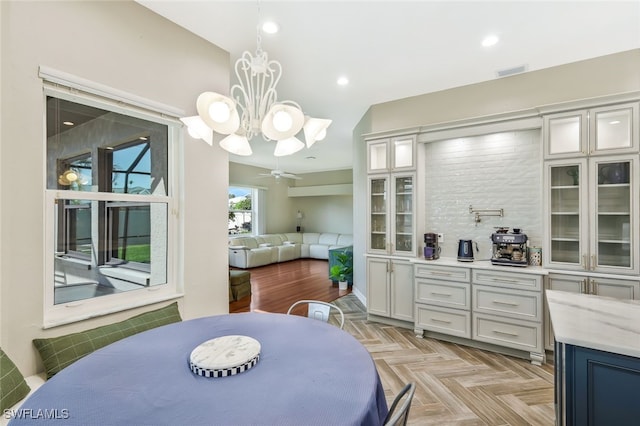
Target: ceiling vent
511	71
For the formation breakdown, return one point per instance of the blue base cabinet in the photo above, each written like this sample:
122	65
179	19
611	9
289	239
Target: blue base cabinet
596	388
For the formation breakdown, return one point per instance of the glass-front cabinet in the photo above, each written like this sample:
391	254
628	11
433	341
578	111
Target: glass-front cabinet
378	213
592	207
606	130
391	218
391	154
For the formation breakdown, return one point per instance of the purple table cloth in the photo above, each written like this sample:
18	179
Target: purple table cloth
309	373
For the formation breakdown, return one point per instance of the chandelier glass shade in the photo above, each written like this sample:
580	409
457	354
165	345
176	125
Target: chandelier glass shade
253	108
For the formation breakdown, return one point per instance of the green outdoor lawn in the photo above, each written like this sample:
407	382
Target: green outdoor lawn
137	253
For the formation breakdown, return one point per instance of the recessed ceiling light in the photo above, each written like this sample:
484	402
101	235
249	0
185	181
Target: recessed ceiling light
490	40
343	81
68	123
270	27
311	157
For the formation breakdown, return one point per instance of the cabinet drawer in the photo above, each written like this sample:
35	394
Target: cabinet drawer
508	332
444	320
508	279
525	305
443	293
449	273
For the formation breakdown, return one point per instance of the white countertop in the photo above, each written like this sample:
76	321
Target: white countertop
481	264
596	322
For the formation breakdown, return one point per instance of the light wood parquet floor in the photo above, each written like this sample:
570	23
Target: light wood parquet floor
455	384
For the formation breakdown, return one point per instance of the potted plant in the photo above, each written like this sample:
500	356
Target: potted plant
342	269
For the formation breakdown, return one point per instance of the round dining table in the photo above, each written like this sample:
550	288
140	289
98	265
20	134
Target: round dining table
308	373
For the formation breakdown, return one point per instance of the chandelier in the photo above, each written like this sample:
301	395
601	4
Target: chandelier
252	109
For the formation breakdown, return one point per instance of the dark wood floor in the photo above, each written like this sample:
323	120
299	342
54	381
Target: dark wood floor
275	287
455	384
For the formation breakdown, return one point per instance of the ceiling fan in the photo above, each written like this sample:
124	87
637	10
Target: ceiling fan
277	174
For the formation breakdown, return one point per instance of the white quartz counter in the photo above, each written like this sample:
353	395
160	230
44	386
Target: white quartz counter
596	322
481	264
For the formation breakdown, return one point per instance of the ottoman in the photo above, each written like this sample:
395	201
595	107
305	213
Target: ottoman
239	284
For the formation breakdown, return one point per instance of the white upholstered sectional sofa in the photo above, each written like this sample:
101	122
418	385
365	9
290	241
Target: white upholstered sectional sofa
251	251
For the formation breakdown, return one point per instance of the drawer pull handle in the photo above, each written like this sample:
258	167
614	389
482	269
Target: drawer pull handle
504	280
443	274
506	333
440	320
502	302
441	294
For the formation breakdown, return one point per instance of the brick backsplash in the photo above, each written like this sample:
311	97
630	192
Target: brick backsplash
498	171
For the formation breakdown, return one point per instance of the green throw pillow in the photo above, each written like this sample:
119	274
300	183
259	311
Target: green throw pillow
12	385
59	352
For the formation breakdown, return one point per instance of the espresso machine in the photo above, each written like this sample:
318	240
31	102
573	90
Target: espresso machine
509	248
431	248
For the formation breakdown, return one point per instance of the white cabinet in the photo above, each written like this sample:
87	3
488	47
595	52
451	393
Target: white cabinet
503	309
443	300
391	219
591	207
618	288
507	310
605	130
391	226
390	288
391	154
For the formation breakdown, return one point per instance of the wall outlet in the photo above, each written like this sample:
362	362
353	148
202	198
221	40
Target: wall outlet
440	238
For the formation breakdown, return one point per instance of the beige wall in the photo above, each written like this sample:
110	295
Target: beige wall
127	47
606	75
320	214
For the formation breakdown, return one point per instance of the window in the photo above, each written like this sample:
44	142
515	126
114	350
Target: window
109	200
241	210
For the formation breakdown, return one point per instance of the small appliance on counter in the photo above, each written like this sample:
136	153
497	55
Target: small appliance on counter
431	247
509	248
465	250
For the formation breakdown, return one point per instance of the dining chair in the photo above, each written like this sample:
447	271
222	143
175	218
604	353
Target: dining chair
319	310
398	416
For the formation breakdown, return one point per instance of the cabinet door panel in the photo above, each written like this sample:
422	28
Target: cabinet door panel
378	219
443	293
403	149
403	219
454	322
524	305
523	335
402	290
449	273
620	289
510	279
378	156
604	389
614	129
568	283
613	202
565	134
566	221
378	286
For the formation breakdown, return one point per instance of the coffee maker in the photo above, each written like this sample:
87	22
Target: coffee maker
509	248
431	248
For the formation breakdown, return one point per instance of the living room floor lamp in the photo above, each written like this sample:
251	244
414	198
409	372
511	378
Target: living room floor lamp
299	221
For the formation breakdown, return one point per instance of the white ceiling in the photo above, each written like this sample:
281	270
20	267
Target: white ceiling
395	49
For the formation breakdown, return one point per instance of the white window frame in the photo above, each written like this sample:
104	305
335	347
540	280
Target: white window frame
84	92
258	197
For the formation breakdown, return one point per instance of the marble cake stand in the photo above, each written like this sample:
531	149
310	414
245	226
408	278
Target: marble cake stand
225	356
